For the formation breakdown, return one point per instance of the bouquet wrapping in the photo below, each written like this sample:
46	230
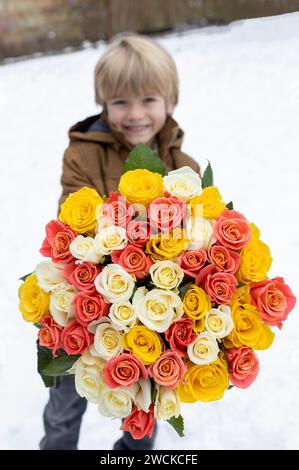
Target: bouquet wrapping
153	296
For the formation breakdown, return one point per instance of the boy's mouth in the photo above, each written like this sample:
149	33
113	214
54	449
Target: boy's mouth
136	129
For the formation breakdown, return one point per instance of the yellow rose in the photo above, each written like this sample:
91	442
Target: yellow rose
255	231
141	186
204	383
161	247
249	330
196	304
34	302
79	210
144	343
208	204
255	261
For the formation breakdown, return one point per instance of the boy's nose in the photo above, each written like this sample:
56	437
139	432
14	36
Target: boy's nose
135	113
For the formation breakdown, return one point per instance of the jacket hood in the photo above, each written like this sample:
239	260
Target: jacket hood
96	129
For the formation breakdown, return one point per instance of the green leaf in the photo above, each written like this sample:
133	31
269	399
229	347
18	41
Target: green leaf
143	157
177	424
60	365
230	386
230	205
23	278
184	287
153	392
44	355
207	179
50	368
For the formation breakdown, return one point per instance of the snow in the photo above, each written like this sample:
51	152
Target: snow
239	107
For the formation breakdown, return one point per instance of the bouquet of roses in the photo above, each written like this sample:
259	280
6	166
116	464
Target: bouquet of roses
155	295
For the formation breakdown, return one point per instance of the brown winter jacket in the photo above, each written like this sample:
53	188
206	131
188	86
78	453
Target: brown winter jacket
96	155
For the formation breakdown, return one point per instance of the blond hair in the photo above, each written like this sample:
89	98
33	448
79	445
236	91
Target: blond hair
135	65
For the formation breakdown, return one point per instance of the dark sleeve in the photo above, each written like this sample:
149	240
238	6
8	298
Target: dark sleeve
73	175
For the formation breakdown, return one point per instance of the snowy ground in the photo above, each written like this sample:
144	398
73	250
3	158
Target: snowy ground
239	107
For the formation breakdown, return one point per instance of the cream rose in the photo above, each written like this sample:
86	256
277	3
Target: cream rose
102	222
204	349
143	398
118	402
200	233
109	239
107	339
115	284
167	404
84	248
123	315
61	307
158	308
183	183
219	322
166	275
89	380
50	275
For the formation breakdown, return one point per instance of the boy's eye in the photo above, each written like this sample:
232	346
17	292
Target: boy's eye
119	102
149	99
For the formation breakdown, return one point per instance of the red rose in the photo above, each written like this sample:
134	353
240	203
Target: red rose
273	299
49	334
165	213
192	261
139	423
123	371
138	232
82	275
75	338
243	366
133	260
224	259
168	370
89	307
56	245
118	210
180	334
219	286
232	230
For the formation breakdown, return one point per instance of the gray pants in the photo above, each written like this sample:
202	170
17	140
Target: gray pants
62	420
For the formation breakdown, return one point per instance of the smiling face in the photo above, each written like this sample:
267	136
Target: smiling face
138	118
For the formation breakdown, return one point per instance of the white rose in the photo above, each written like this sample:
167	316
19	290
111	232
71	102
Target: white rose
61	307
143	398
200	233
102	222
118	402
89	360
183	183
123	315
158	308
115	284
107	340
166	274
84	248
110	238
167	404
89	381
50	275
204	349
219	322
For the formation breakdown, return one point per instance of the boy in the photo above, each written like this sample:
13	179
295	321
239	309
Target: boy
136	83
